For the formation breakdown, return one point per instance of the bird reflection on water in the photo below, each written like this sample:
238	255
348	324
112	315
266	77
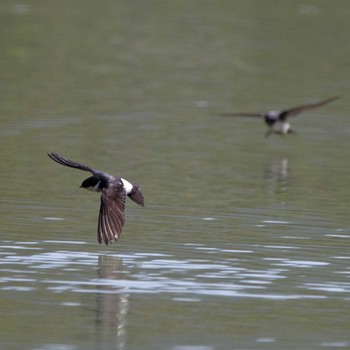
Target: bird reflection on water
112	303
277	176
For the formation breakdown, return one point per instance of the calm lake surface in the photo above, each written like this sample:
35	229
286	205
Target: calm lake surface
244	241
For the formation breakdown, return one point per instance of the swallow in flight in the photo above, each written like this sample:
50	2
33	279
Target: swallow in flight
113	194
277	121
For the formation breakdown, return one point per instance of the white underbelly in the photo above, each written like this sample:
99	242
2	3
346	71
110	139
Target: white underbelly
281	127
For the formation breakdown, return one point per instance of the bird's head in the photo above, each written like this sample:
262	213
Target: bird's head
92	184
271	117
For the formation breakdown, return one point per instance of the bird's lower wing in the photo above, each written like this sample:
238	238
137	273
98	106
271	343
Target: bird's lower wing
111	218
295	110
66	162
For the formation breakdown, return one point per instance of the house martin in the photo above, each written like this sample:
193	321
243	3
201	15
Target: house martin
277	120
113	194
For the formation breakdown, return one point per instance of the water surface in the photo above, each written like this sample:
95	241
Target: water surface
244	240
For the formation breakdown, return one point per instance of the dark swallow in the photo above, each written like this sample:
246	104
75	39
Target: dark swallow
113	194
277	120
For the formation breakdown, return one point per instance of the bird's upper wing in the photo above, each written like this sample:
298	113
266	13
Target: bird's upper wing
111	218
66	162
295	110
243	114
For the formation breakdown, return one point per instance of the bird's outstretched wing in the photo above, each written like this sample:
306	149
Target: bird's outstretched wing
111	218
296	110
243	114
66	162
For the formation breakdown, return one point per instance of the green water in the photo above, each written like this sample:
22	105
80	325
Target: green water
244	240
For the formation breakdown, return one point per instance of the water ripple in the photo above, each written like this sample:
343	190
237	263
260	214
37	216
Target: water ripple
227	273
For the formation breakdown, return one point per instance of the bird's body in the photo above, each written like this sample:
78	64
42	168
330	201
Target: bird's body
113	194
275	124
277	120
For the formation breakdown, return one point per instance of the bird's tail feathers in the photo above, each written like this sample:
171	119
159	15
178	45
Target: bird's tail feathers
136	195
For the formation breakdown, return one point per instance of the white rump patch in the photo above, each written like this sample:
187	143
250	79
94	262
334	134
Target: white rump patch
127	186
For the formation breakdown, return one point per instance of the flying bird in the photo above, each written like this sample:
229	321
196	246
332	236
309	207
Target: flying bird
277	121
113	194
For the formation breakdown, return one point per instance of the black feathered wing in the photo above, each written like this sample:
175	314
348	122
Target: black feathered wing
111	218
243	114
298	109
66	162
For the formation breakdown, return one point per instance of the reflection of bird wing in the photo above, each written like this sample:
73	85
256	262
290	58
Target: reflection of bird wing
66	162
111	218
242	114
295	110
136	195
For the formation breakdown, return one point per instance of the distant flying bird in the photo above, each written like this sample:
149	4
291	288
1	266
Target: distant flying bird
277	120
114	190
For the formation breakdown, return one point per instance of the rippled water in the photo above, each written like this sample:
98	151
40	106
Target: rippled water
294	273
257	271
244	240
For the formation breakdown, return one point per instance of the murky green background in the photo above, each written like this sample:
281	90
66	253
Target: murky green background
243	242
